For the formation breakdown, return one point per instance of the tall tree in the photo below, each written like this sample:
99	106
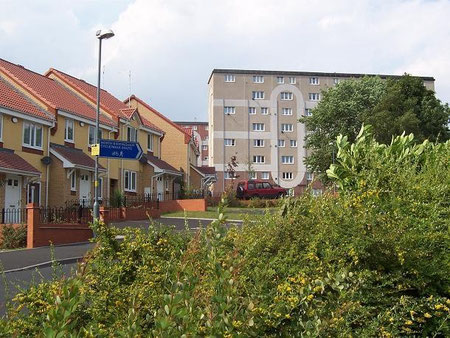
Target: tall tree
391	106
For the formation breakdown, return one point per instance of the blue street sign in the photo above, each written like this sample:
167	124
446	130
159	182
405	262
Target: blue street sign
120	149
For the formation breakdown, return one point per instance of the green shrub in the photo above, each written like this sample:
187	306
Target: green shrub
372	261
117	199
14	237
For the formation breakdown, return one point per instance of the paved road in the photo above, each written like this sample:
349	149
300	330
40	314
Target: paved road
23	266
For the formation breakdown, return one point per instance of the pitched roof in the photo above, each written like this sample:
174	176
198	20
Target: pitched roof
187	136
12	99
128	112
207	170
11	162
163	165
76	157
108	102
50	92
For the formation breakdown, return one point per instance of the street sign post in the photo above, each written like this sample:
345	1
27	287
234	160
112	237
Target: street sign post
120	149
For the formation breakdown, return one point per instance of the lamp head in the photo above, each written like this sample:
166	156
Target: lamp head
104	34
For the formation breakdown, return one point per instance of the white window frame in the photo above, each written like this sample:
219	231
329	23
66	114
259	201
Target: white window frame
229	78
132	134
258	79
280	79
129	180
308	112
33	127
258	95
252	175
286	111
287	127
293	143
258	143
204	147
229	110
292	80
256	126
264	111
281	143
229	142
34	192
309	176
89	135
73	181
259	159
314	80
336	80
252	110
150	142
287	175
1	127
287	159
227	175
265	175
67	124
314	96
286	96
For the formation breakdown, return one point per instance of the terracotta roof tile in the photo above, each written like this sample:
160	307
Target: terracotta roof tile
207	170
75	156
13	162
50	92
160	163
108	101
12	99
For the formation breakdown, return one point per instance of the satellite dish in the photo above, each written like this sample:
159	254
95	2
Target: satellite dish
46	160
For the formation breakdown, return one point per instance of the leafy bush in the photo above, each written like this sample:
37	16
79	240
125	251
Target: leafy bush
117	199
371	261
14	237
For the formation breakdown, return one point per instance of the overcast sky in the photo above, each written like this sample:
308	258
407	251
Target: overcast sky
171	46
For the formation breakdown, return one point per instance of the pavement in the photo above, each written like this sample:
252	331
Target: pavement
24	266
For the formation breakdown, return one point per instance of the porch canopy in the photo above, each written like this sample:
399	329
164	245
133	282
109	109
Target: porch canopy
73	158
11	163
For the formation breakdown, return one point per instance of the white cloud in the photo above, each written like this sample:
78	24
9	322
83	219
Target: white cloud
170	47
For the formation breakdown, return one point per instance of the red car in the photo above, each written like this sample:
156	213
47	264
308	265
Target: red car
260	189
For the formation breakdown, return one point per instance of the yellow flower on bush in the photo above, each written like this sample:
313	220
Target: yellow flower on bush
427	315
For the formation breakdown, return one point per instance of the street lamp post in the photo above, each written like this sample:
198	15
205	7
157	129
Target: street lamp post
100	35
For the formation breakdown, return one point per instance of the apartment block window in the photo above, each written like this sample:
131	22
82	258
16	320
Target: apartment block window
287	159
286	96
92	135
264	110
258	143
204	147
69	131
149	142
280	79
229	78
313	80
252	175
229	110
309	176
258	79
281	143
73	181
130	180
265	175
336	80
308	112
252	110
258	126
292	80
258	159
286	111
194	127
287	175
257	95
228	175
131	134
32	135
229	142
293	143
287	127
314	96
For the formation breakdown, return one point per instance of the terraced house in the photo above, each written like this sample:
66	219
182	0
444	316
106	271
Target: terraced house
46	128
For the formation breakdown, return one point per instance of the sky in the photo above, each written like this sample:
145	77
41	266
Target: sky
170	47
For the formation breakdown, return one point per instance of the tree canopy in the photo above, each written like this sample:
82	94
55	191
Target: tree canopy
391	106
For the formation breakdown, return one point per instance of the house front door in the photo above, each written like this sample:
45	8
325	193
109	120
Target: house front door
13	199
85	188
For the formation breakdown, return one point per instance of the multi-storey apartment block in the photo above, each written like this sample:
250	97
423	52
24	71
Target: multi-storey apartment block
253	119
